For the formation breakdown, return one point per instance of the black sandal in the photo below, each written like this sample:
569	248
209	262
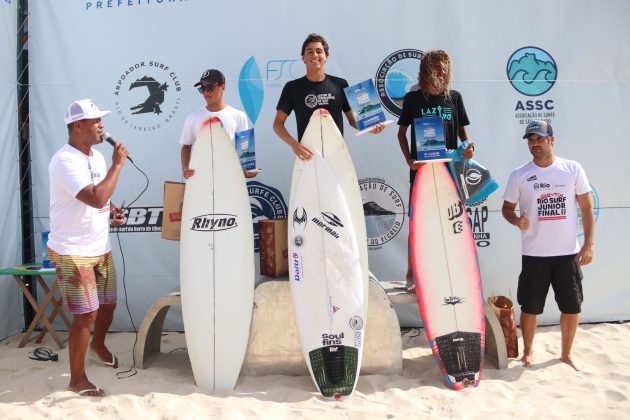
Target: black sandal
44	354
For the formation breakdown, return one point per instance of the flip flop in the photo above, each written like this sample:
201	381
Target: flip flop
111	364
83	392
44	354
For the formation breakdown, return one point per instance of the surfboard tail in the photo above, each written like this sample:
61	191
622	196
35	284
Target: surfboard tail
458	357
335	370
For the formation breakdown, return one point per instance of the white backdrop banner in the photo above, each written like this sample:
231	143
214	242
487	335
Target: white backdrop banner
11	249
128	54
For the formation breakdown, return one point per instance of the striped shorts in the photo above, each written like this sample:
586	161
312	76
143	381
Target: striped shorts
85	282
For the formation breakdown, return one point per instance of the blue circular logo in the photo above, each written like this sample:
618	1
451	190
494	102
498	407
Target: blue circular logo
266	202
532	71
397	75
595	197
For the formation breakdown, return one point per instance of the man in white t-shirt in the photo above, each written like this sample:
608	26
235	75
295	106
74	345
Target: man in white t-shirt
212	86
80	190
549	190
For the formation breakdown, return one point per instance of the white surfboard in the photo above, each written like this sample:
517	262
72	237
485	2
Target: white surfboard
448	283
326	281
216	260
323	136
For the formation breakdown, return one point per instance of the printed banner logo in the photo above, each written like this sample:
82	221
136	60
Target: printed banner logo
266	202
397	75
252	82
384	211
532	71
478	216
250	89
140	220
147	95
99	5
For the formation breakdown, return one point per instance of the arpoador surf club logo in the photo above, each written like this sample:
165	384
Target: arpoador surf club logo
397	75
147	95
384	211
532	72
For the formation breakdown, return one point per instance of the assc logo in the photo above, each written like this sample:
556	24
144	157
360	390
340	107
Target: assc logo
384	211
266	203
148	94
397	75
532	71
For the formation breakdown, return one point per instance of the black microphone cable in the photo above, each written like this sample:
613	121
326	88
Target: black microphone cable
132	370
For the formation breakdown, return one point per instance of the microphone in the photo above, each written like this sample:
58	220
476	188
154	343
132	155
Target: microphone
108	138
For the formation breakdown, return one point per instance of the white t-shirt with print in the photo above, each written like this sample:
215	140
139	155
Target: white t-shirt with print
549	196
233	121
75	227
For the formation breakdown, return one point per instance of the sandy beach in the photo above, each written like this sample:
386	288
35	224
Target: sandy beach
166	390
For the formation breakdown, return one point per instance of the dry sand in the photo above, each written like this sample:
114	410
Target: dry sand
165	390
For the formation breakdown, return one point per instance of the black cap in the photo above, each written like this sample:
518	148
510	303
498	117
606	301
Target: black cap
210	77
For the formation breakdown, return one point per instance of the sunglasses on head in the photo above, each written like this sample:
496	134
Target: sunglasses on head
209	88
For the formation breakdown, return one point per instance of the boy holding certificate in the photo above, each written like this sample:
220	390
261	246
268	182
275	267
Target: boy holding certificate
434	99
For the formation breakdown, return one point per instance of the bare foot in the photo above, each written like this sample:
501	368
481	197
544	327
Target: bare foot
526	360
569	362
105	356
86	389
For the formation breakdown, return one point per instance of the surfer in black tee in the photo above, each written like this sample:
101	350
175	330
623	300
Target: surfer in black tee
315	90
433	99
304	96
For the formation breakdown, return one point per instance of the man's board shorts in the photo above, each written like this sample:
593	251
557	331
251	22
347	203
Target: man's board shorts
562	273
85	282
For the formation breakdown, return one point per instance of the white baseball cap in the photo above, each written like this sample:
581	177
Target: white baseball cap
83	109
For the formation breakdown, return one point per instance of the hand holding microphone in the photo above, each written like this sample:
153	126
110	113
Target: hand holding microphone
118	214
122	149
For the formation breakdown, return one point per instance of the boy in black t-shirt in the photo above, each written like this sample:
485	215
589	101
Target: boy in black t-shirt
434	99
315	90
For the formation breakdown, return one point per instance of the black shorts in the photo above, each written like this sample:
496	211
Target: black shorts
563	273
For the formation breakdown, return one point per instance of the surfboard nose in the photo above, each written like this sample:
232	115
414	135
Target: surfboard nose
321	112
210	121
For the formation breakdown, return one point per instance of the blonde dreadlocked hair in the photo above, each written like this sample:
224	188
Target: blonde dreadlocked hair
427	78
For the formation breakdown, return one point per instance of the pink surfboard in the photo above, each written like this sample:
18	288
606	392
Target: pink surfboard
448	283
